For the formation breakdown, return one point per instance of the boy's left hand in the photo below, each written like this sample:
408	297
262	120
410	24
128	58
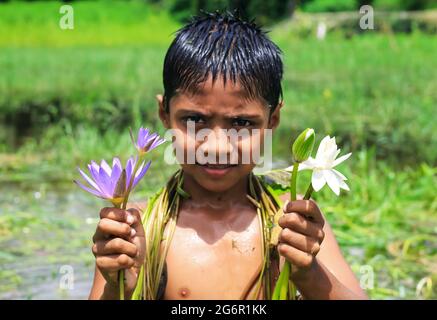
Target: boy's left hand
302	233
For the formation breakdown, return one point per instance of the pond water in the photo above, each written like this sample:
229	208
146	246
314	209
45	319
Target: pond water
45	241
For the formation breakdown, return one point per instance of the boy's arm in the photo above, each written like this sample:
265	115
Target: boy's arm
327	275
330	276
100	289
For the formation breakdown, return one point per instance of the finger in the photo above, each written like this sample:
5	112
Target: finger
114	262
299	223
115	246
107	228
308	208
119	215
299	241
137	225
295	256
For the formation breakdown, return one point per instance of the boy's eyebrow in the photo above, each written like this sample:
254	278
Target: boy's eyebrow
192	111
243	115
208	115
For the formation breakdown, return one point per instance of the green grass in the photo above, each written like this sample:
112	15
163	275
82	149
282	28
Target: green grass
102	23
67	97
373	90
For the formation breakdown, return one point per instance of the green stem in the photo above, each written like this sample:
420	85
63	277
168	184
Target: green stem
284	287
124	205
283	294
121	282
292	289
278	286
293	181
309	192
288	286
121	272
285	283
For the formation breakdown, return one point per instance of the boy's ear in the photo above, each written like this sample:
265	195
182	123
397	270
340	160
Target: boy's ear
163	114
275	116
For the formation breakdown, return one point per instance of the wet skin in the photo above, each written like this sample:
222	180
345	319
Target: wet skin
216	249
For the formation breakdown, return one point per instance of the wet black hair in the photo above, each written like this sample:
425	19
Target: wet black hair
222	44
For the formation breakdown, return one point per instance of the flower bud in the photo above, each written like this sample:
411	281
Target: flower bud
303	145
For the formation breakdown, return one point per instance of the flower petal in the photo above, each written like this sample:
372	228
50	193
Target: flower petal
130	165
341	179
310	163
116	173
330	157
344	186
341	159
339	174
142	137
333	181
94	170
106	167
158	141
322	148
116	163
151	137
140	173
333	143
95	173
88	179
318	180
289	169
104	183
87	189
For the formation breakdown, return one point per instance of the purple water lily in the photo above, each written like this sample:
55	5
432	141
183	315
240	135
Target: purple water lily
146	140
113	184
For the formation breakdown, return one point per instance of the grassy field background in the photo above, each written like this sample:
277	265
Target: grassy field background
68	96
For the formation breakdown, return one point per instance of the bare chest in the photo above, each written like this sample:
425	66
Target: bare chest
213	259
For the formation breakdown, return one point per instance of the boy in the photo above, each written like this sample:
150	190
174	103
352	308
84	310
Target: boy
222	73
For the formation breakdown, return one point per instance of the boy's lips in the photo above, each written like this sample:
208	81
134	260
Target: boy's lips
217	170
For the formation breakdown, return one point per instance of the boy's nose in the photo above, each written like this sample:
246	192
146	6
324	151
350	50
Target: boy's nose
218	145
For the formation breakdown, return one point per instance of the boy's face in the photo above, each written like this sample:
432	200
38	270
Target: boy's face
218	131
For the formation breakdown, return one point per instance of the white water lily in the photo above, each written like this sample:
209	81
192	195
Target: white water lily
323	166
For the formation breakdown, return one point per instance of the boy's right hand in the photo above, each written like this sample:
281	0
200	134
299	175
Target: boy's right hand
119	243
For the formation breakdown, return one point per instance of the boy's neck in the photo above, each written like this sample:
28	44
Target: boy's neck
234	196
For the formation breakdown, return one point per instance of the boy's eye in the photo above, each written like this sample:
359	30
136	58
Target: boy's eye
194	118
239	122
